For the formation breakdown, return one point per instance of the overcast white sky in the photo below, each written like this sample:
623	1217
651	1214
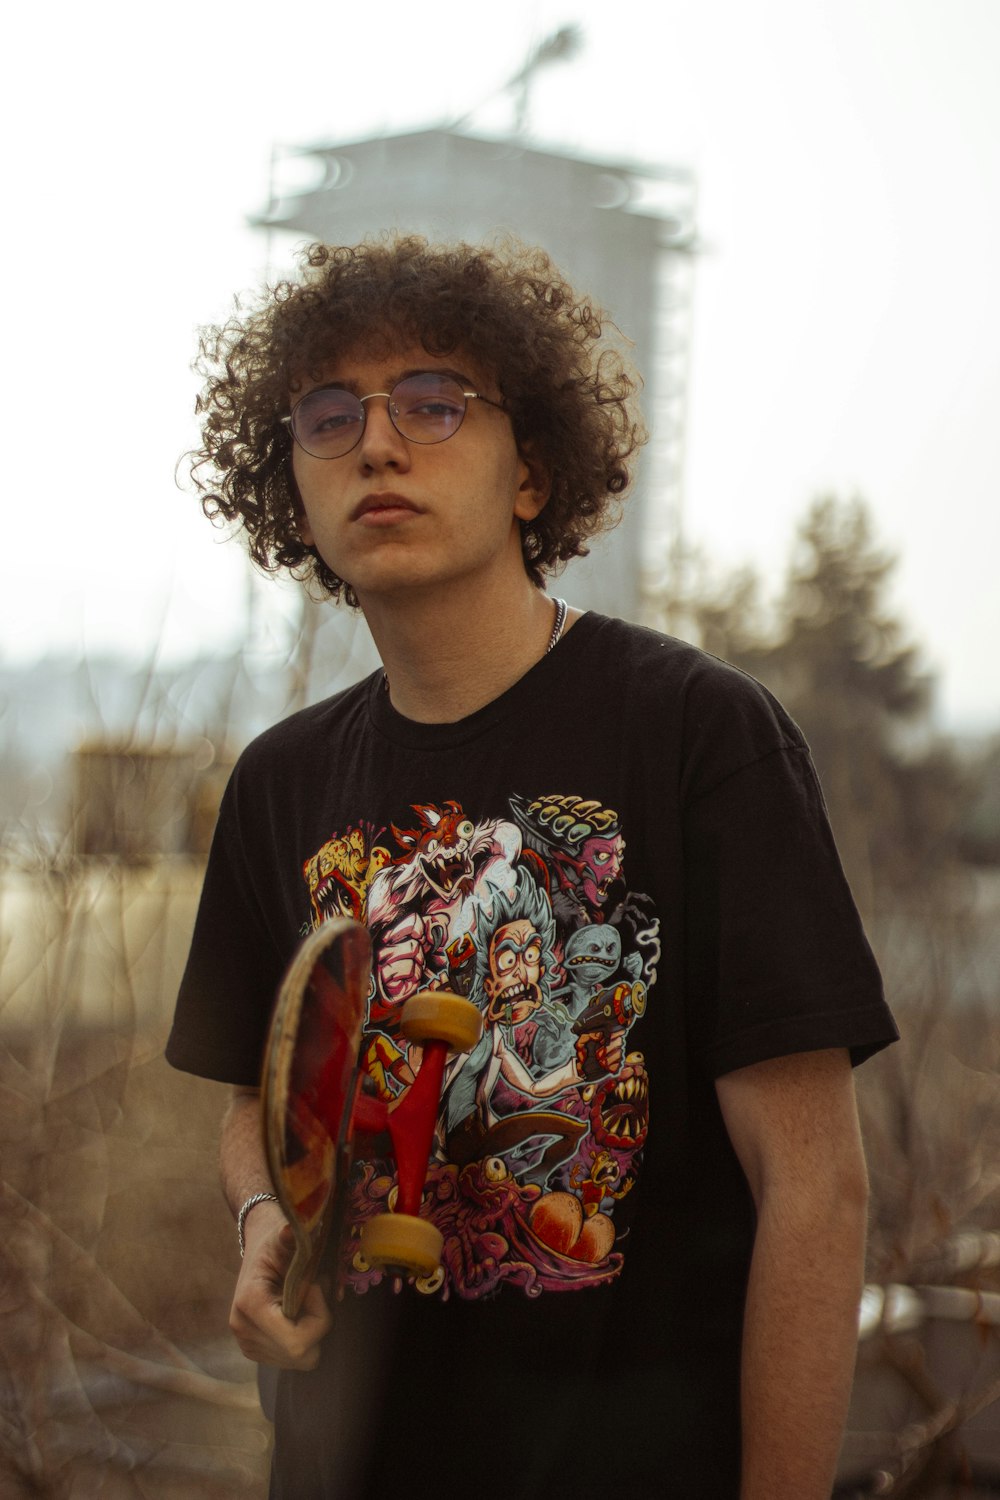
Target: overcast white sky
847	314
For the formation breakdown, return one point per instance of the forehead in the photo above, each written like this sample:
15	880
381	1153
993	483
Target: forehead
598	841
378	365
515	932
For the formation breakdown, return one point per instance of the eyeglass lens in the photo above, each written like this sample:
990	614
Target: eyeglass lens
426	408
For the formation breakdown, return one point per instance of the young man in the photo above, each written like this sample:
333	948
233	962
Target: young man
653	1251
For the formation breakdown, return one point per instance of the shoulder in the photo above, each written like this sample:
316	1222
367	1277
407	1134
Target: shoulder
648	657
680	689
275	765
288	741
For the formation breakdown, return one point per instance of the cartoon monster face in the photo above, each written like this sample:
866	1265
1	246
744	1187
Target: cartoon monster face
605	1172
445	861
593	953
619	1107
600	864
339	873
516	968
441	848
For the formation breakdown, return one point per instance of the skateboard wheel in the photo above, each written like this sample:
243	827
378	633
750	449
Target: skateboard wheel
403	1241
428	1285
436	1016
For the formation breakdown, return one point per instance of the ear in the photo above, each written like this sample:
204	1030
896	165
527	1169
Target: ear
535	484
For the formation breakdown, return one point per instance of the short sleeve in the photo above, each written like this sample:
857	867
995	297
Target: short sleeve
777	959
233	968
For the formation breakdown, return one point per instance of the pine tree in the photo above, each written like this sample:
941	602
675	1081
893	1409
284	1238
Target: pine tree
834	652
840	661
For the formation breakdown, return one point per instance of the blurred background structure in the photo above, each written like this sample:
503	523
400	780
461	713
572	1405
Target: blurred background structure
118	1376
624	231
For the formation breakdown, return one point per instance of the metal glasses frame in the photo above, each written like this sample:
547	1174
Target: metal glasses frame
422	442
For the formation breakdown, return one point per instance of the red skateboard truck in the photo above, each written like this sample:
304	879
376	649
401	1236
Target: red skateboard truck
441	1023
314	1106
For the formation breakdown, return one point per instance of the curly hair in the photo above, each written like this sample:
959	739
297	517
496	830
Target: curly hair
565	385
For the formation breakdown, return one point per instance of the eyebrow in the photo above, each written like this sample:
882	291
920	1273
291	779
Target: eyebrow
354	386
509	945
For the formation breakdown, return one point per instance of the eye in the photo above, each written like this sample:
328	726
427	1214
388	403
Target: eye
532	953
505	961
429	398
466	829
602	857
334	421
437	407
494	1169
327	411
429	395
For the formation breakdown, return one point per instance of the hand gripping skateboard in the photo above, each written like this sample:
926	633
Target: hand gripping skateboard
314	1107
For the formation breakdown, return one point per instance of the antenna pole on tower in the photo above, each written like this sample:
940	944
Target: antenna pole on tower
561	46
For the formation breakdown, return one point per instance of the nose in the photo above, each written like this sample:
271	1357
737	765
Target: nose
381	446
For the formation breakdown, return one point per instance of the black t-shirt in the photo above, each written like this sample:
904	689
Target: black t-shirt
634	828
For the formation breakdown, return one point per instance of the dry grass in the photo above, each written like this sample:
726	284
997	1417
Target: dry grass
926	1406
931	1105
118	1375
117	1257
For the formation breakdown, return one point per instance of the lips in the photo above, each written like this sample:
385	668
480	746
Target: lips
382	500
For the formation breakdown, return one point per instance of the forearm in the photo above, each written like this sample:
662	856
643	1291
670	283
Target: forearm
799	1344
242	1163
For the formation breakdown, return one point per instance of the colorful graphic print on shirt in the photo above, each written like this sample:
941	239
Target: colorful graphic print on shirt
541	1127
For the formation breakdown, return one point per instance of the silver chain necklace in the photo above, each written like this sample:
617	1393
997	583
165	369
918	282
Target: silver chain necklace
558	624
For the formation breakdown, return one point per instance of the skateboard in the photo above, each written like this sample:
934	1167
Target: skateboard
315	1107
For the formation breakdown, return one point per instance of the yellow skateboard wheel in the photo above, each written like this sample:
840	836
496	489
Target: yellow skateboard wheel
402	1241
436	1016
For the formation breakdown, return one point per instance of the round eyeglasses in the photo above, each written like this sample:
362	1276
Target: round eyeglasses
427	407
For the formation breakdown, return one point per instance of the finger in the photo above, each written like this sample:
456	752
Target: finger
266	1336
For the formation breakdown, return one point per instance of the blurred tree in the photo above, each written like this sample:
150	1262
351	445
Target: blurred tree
979	831
838	658
729	618
722	612
842	665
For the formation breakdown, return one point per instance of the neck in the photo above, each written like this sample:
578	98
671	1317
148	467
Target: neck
452	651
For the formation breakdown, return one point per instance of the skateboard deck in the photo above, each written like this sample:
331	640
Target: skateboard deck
309	1086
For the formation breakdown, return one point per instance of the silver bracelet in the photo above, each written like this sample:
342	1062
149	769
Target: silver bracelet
241	1217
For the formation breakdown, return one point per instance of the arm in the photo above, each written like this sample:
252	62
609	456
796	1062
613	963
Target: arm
570	1074
261	1329
793	1124
556	1082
